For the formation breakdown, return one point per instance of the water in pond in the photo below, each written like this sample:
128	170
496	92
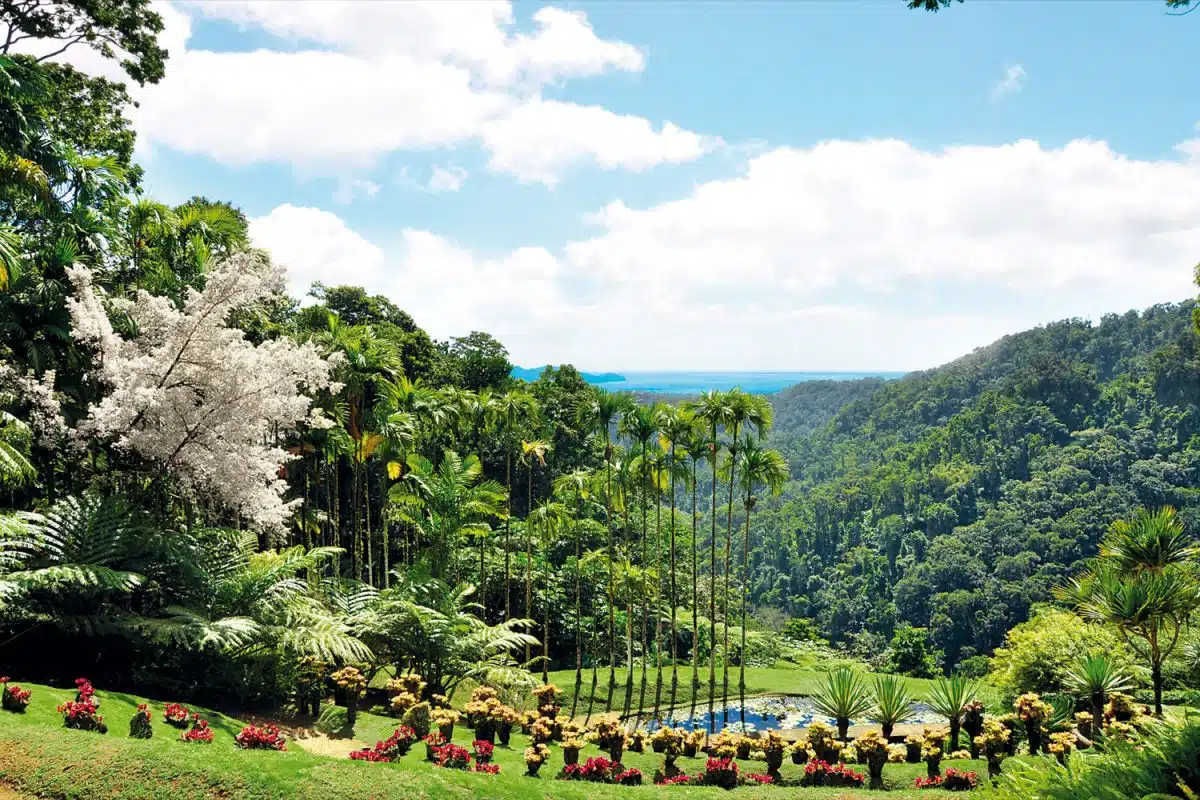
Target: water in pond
767	713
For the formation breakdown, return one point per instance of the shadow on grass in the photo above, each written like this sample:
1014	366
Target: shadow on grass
216	720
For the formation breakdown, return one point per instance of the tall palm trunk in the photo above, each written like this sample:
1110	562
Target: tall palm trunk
712	599
695	592
728	558
745	600
612	575
369	539
385	542
578	604
628	612
657	605
507	521
645	559
528	555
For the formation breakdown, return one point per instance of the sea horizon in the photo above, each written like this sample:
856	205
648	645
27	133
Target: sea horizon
694	381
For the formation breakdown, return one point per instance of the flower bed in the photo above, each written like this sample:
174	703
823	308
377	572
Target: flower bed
83	716
952	781
451	756
390	749
176	715
199	734
261	737
13	697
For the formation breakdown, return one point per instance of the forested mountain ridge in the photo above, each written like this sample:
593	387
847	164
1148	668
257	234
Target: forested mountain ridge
956	497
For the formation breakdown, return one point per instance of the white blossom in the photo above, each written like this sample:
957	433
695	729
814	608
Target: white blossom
45	413
191	394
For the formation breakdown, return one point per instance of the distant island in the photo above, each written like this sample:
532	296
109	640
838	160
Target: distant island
533	373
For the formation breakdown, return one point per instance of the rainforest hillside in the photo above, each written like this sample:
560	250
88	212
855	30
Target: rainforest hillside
955	498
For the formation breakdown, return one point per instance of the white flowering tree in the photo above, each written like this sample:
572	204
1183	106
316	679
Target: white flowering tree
189	393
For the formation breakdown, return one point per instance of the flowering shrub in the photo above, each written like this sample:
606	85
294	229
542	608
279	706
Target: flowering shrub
994	743
820	773
83	716
406	689
596	770
928	783
535	756
872	748
677	780
721	772
444	719
960	755
353	683
483	751
452	756
1032	710
635	741
139	726
607	734
842	776
754	777
667	740
822	741
897	754
629	777
723	745
489	769
176	715
549	700
1061	745
199	734
959	780
84	691
692	741
261	737
13	697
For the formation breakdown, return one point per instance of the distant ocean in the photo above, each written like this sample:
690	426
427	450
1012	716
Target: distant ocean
693	382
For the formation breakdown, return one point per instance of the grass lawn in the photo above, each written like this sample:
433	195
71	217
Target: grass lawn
38	758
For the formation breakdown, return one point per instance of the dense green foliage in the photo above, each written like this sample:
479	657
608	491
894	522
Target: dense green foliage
954	499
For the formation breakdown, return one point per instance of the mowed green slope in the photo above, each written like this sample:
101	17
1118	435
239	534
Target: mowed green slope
40	758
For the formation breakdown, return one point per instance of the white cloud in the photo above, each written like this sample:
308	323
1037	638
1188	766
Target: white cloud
1012	82
868	254
350	188
359	80
540	139
447	179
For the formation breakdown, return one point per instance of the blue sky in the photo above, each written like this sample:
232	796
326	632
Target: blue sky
750	185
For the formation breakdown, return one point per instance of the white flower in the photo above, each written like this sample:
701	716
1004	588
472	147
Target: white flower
190	393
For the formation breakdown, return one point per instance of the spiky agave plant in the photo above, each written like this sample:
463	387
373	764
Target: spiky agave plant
950	697
843	695
1097	676
893	703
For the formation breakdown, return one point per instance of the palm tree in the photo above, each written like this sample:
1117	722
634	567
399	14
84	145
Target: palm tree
513	406
641	425
547	519
893	704
533	454
753	410
446	502
597	414
482	410
712	409
578	484
677	428
760	467
1144	584
950	698
841	694
15	438
1097	676
697	447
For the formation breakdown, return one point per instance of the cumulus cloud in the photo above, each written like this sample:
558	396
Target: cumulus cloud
1012	82
349	82
869	254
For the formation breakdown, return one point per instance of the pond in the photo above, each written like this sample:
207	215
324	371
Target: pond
772	712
